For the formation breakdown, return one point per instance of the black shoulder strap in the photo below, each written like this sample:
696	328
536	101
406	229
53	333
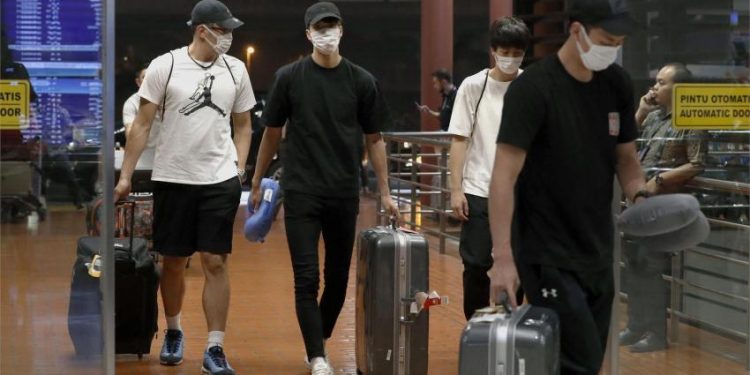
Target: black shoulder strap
476	109
164	101
229	69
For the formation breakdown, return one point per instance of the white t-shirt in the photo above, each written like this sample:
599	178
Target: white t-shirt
129	111
194	145
480	155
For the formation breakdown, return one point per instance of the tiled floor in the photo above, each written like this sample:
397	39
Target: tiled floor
264	337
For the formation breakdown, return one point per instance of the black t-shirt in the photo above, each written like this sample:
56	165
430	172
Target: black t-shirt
446	110
570	130
327	110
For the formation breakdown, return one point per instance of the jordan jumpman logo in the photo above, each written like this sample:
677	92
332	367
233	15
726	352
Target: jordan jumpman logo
202	92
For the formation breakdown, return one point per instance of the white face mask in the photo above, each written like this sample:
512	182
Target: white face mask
326	40
223	42
508	65
598	57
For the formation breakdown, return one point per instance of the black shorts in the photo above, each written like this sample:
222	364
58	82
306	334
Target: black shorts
190	218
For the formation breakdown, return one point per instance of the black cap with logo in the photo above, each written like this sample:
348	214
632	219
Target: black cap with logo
213	12
610	15
319	11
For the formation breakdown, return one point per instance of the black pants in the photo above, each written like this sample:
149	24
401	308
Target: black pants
647	291
583	301
306	217
475	248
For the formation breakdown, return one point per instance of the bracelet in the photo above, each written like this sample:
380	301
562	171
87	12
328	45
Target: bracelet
658	179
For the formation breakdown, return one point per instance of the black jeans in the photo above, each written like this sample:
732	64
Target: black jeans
475	248
583	302
647	291
306	217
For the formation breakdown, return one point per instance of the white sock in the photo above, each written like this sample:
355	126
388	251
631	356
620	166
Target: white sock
215	338
173	322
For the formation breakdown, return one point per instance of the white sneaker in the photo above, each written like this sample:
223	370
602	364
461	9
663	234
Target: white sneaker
307	362
320	366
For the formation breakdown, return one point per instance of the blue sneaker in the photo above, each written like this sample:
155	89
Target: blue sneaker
215	362
172	349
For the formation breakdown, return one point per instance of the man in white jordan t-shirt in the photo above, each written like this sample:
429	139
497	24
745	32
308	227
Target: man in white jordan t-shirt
197	175
474	126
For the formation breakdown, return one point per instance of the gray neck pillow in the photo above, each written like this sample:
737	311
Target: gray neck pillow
665	223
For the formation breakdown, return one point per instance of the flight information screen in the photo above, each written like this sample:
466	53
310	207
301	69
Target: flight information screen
59	43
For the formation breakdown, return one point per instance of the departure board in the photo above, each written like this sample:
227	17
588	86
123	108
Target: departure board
59	43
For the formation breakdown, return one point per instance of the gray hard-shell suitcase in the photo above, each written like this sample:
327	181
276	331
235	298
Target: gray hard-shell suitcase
524	342
391	326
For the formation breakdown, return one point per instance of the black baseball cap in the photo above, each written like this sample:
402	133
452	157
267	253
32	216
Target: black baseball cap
319	11
213	12
610	15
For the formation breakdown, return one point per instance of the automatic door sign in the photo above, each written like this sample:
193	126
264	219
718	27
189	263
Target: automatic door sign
711	106
14	104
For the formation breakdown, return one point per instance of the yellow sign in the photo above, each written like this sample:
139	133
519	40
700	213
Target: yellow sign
14	104
711	106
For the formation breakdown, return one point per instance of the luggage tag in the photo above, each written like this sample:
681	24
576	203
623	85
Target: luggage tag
268	195
423	301
95	267
489	314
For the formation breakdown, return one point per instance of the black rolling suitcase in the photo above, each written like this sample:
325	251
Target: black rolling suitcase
136	285
391	318
522	342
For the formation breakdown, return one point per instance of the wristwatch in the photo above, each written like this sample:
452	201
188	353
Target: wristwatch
241	174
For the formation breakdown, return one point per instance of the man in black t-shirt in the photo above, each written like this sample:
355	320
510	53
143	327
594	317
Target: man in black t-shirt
327	102
443	83
568	129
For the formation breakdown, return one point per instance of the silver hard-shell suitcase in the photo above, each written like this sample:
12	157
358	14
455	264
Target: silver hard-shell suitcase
524	342
392	281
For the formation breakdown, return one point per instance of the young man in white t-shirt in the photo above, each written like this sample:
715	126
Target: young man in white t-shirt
129	111
474	126
130	108
197	175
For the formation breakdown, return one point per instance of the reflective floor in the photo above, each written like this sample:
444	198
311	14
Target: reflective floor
264	337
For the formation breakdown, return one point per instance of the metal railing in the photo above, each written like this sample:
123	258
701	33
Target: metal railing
415	161
680	286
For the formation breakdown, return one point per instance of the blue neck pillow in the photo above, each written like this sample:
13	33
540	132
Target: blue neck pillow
258	223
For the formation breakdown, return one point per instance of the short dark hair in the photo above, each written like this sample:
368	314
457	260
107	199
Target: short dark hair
140	69
442	73
509	32
681	72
